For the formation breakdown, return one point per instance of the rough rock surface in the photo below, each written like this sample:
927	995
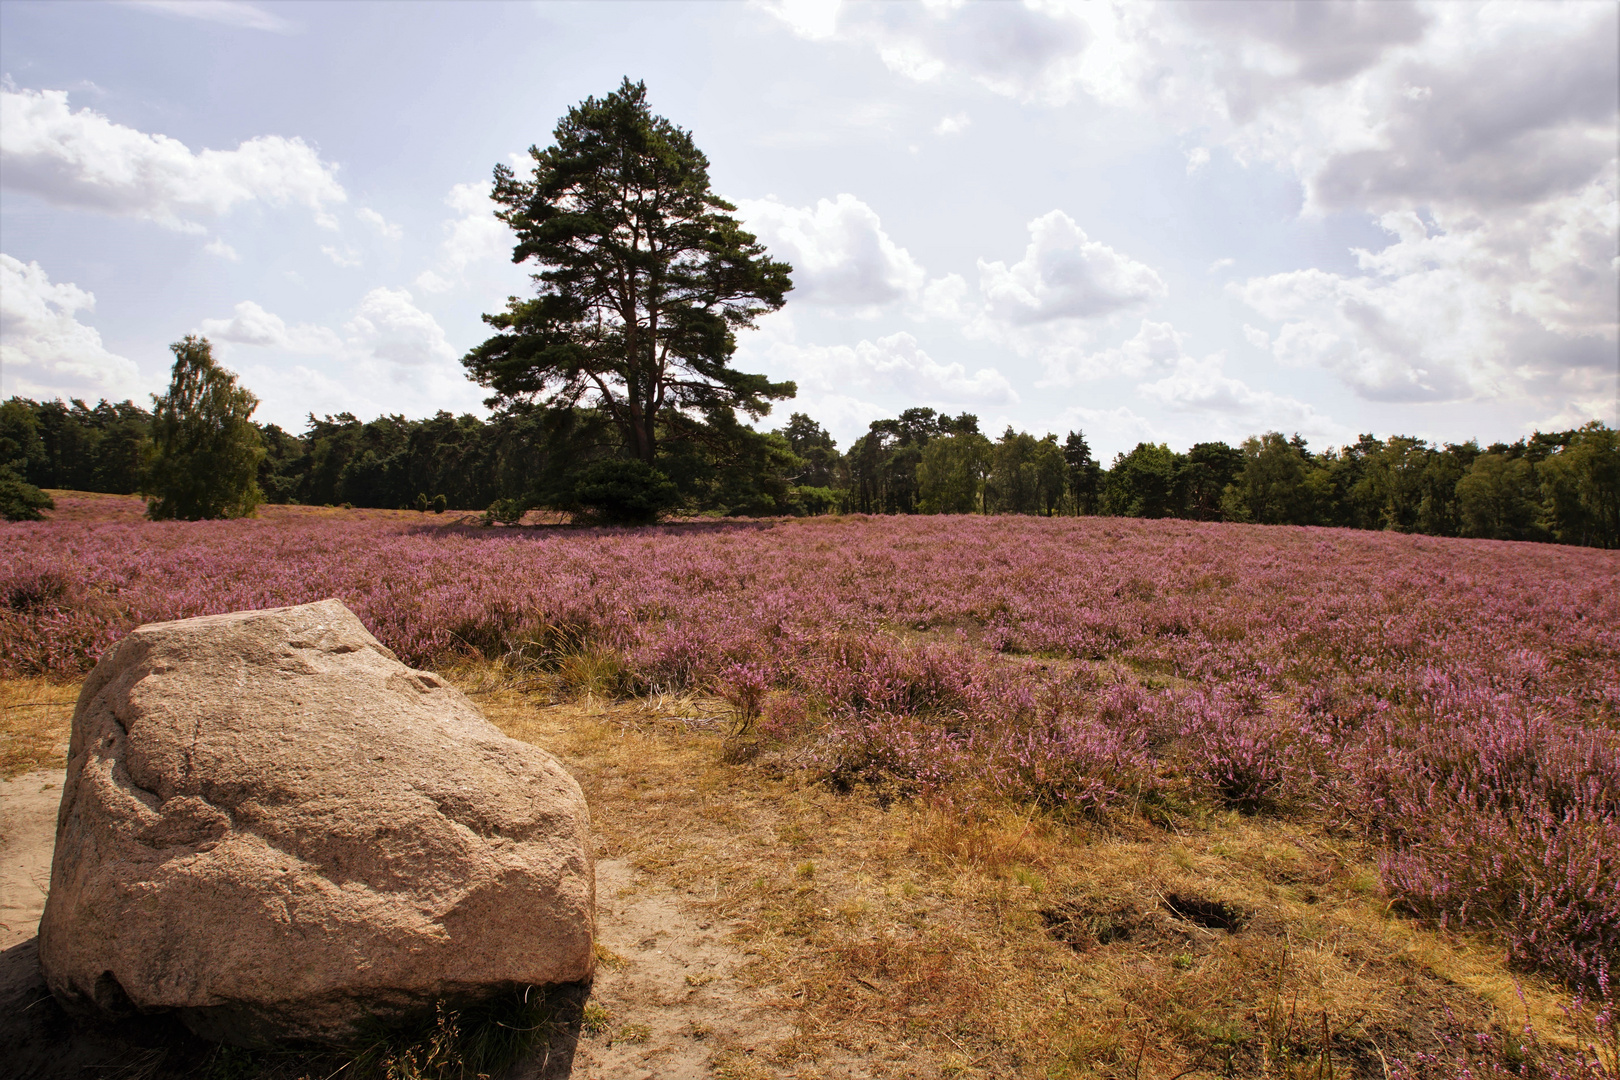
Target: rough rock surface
273	827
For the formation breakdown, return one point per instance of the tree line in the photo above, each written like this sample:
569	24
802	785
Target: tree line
1561	486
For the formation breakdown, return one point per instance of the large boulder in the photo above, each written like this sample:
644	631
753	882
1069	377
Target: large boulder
276	829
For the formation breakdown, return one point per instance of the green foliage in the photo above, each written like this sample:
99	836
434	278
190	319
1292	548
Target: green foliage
1272	483
815	449
882	464
951	473
815	500
1204	474
440	503
1142	483
1027	475
206	450
505	511
1499	497
624	491
1581	488
20	500
644	279
1085	473
53	444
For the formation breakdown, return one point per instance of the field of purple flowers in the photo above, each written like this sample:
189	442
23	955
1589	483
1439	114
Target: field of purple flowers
1455	702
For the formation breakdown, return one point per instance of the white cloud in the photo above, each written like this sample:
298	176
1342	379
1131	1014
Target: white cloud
251	324
84	161
386	334
389	325
1257	337
346	258
1202	386
894	366
1107	431
953	125
227	12
1025	51
1485	308
840	254
219	247
813	19
474	238
383	226
1493	123
1220	264
1066	275
1155	346
44	347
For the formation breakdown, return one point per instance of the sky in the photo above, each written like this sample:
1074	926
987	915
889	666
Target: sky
1147	222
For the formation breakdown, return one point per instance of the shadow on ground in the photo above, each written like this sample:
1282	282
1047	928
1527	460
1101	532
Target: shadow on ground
38	1041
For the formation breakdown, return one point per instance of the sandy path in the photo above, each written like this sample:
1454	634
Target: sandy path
27	835
671	993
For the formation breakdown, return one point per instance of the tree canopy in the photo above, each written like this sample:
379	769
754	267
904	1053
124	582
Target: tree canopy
644	279
206	450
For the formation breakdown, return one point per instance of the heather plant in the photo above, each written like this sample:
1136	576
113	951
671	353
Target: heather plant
1245	754
1455	702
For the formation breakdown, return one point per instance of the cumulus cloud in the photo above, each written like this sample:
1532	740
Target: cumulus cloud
1202	386
384	227
894	366
389	325
840	254
1498	113
1481	135
388	335
1482	309
474	237
1019	50
1107	431
222	249
251	324
346	258
84	161
44	347
1064	274
953	125
1154	346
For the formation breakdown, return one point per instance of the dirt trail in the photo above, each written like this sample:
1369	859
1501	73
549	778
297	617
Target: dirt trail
666	1004
669	988
27	836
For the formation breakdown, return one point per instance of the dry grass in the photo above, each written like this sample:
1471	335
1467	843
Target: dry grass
902	940
35	719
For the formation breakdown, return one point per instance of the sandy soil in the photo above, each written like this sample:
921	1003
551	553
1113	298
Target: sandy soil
27	834
669	998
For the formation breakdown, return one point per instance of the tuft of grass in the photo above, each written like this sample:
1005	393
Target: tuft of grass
596	1018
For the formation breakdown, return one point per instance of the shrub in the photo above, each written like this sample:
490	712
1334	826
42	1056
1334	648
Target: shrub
617	491
20	500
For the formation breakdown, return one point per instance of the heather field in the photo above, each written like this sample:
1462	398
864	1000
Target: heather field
1449	708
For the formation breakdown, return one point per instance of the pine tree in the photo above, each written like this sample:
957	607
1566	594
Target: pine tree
644	278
